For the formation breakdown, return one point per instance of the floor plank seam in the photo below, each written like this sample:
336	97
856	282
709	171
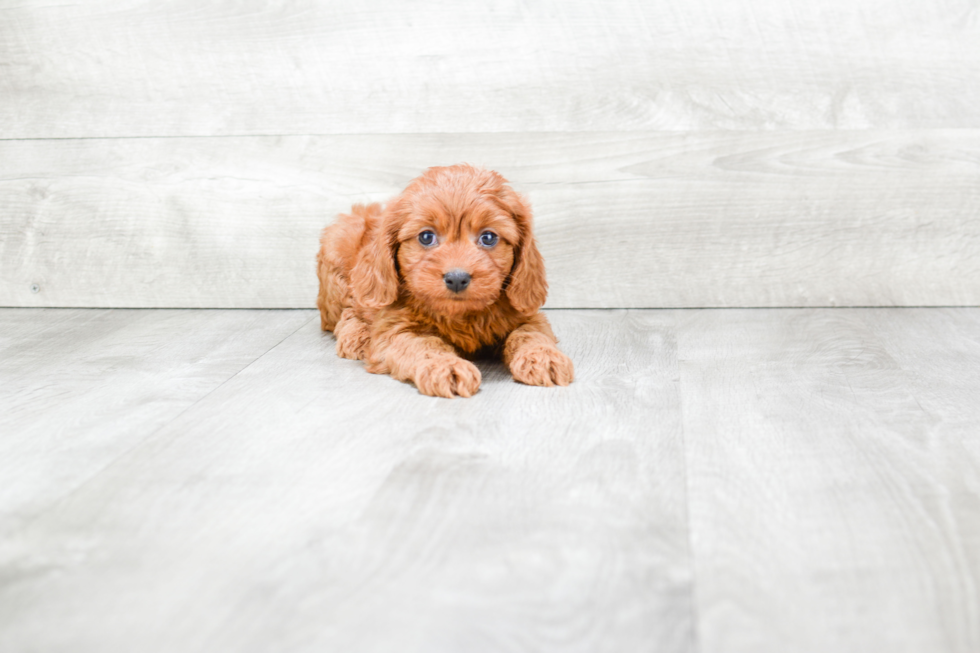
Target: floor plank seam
695	612
149	437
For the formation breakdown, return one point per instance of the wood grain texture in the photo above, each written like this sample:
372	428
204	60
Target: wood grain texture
78	388
823	463
832	465
306	505
825	218
136	68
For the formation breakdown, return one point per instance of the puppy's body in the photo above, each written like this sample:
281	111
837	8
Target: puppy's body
446	270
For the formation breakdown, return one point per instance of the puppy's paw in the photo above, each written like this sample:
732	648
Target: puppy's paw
352	338
542	365
447	376
352	346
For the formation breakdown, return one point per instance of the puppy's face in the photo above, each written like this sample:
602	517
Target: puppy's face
456	249
460	236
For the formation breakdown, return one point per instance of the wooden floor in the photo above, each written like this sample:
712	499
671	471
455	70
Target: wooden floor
714	480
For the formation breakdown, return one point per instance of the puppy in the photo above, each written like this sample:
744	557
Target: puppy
445	271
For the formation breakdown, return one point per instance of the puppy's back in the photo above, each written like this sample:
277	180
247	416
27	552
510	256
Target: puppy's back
339	245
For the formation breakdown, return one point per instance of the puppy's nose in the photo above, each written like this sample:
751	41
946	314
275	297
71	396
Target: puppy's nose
456	280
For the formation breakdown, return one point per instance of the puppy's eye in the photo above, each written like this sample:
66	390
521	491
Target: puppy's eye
488	239
427	238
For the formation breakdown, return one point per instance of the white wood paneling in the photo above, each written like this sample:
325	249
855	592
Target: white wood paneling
137	68
823	218
306	505
832	472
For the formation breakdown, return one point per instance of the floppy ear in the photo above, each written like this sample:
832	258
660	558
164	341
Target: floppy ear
374	279
528	287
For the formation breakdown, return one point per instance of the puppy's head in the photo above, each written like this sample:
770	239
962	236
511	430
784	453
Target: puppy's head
460	236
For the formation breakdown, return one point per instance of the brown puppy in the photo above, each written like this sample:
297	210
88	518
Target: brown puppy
447	269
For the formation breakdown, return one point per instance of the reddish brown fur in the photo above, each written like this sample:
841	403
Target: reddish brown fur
382	293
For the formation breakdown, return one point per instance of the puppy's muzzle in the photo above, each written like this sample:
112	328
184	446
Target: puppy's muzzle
457	280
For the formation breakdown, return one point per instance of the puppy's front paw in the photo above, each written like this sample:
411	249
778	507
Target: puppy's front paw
447	376
352	344
542	365
352	336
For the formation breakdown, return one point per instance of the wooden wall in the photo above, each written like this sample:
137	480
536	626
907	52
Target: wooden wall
677	153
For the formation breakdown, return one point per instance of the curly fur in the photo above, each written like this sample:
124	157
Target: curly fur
383	295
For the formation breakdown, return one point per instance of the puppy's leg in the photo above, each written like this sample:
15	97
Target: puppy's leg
531	352
429	362
352	335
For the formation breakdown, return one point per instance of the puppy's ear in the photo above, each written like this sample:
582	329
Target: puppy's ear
374	279
528	287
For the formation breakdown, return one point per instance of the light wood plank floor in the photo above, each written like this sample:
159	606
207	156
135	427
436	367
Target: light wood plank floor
714	480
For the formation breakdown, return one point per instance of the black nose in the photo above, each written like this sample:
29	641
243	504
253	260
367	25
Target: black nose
456	280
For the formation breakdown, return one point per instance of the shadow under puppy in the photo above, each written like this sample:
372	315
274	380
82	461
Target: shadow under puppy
447	270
